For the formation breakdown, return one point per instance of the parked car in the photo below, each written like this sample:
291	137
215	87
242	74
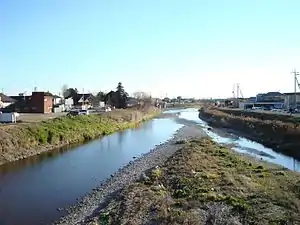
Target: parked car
257	108
84	112
276	110
294	111
73	113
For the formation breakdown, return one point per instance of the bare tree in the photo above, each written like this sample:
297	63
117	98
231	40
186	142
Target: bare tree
145	100
140	95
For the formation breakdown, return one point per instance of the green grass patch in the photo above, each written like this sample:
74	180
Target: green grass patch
204	181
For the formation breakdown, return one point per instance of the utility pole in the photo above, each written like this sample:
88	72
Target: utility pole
295	73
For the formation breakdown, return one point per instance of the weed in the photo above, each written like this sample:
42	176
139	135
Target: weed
182	141
196	186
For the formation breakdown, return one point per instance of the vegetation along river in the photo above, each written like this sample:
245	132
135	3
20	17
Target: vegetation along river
32	190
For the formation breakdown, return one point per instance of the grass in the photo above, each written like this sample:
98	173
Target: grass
286	118
21	139
280	135
204	183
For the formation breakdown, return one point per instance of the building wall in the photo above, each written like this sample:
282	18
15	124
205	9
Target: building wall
40	103
69	103
48	104
289	100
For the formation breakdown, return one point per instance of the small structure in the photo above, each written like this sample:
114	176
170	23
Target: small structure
8	117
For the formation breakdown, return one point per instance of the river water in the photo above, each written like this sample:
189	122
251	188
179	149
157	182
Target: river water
32	190
243	145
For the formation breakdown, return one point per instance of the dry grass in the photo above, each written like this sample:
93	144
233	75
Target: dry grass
263	115
208	184
26	139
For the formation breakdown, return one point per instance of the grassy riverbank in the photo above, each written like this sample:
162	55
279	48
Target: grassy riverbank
263	115
23	140
280	135
203	183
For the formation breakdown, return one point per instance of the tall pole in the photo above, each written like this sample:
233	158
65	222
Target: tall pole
295	87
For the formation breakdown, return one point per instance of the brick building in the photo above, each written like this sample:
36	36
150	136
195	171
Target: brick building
38	102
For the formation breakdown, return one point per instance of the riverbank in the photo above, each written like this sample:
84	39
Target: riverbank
23	140
277	134
88	207
263	115
225	188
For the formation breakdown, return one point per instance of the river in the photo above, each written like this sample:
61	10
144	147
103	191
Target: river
31	190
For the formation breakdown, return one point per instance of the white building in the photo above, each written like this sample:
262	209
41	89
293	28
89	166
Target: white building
69	103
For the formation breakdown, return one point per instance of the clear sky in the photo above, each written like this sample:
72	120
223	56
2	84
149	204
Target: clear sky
179	47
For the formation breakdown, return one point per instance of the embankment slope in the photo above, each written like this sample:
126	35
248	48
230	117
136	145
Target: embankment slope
26	139
275	131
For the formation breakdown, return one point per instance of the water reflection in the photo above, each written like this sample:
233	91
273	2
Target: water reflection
34	188
243	145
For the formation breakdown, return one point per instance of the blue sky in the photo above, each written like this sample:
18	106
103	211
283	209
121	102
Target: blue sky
176	47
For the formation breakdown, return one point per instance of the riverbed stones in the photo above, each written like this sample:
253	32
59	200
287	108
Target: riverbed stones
133	171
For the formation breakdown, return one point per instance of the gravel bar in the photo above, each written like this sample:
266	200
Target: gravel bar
94	201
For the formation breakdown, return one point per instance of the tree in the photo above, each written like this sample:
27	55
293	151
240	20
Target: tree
144	98
121	96
71	92
64	90
140	95
111	98
100	96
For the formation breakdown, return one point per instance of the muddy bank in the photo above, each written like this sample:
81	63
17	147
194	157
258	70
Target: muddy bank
280	136
204	183
88	207
19	141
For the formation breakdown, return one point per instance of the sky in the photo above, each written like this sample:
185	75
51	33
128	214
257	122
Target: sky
189	48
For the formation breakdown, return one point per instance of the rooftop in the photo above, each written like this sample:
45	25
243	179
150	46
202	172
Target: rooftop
5	98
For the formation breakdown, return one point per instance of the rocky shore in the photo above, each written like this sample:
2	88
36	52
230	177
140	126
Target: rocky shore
87	208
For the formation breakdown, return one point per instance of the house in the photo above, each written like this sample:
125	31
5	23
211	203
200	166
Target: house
270	97
83	101
292	100
6	101
38	102
58	105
